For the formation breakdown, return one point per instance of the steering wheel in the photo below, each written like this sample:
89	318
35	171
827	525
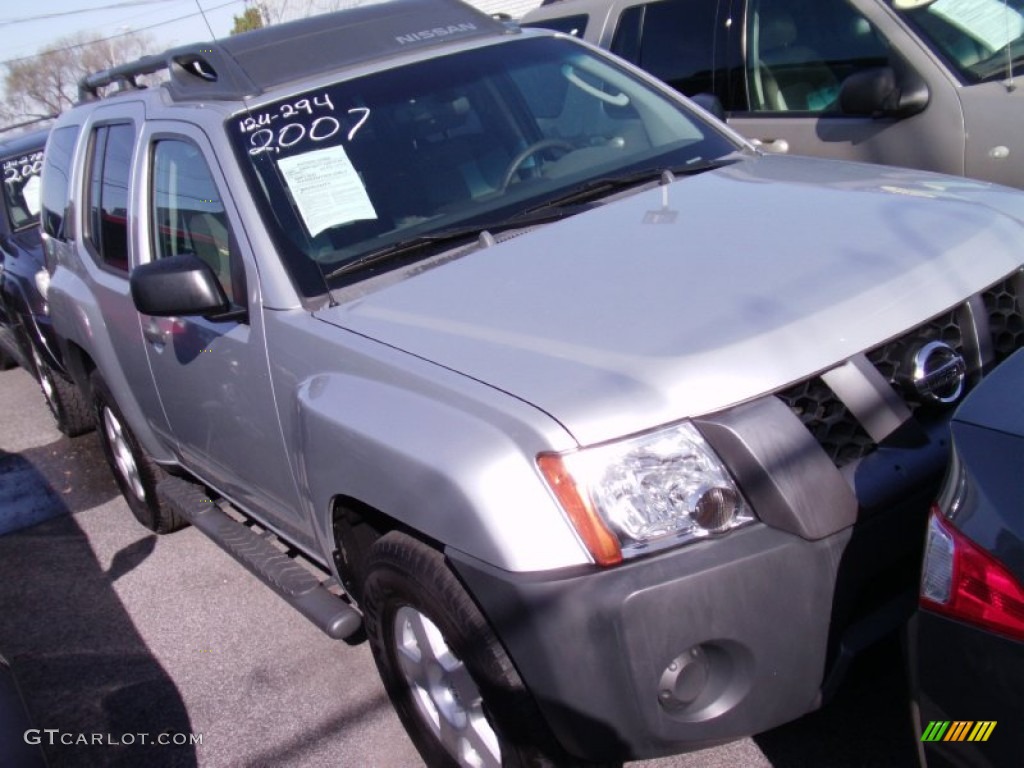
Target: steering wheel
537	146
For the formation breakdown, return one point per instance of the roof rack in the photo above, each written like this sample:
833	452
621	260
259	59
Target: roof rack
251	63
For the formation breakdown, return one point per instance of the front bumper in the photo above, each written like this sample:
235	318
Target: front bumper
731	636
691	648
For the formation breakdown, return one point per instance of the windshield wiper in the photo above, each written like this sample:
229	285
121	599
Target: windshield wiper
1003	63
594	188
442	237
550	210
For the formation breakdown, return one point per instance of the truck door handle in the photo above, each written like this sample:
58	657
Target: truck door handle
775	146
154	334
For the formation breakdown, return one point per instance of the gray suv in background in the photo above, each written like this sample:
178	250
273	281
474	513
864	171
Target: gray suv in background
929	84
614	435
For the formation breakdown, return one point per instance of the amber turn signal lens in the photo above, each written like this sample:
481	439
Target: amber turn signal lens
600	541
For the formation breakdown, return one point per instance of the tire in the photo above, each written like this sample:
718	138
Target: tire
67	403
136	474
6	361
449	678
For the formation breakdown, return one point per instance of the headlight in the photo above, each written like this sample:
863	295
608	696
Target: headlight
645	493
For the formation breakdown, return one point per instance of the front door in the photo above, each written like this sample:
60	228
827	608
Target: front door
213	376
797	54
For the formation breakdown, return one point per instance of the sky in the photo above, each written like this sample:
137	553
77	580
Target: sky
33	26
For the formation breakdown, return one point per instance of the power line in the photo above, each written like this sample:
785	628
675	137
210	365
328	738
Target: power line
57	14
125	34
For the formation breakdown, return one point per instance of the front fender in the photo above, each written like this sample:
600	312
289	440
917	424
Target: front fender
450	473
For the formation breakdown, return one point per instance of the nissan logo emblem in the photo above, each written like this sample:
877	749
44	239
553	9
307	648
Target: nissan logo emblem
939	373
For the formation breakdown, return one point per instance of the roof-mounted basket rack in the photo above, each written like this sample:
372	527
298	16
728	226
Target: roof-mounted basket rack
248	64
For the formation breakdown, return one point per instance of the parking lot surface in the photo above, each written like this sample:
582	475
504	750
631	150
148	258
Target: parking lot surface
121	639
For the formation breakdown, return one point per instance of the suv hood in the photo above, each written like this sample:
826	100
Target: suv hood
684	300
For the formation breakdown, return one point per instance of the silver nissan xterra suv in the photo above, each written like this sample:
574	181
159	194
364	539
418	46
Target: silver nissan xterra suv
613	435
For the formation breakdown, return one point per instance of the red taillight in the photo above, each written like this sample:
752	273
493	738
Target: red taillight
981	591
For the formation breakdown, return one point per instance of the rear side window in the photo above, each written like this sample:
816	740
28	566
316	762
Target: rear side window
56	192
673	40
107	196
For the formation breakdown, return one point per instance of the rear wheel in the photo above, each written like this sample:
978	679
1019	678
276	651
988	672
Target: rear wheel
136	474
449	678
67	403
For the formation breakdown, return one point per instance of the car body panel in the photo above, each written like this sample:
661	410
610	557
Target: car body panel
700	289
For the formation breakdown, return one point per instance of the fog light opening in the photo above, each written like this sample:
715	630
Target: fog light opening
684	679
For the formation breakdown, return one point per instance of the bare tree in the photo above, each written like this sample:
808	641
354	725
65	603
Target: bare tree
276	11
46	84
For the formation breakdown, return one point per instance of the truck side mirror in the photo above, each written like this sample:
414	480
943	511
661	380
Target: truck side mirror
882	91
179	285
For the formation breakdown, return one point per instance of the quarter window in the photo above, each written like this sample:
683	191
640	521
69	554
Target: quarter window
188	215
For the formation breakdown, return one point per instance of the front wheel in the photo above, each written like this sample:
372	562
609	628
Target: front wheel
451	682
136	474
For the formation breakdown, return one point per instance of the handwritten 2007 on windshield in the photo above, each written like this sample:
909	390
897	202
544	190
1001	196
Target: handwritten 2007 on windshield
22	168
296	122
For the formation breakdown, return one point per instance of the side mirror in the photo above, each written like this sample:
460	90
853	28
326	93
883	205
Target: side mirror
179	285
709	103
884	91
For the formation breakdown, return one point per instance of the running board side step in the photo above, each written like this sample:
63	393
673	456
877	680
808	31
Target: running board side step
296	585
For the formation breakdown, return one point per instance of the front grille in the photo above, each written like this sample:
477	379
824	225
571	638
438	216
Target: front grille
1004	318
839	432
829	420
893	360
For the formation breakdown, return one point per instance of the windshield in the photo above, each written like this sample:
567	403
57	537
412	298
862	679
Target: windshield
439	145
21	189
980	39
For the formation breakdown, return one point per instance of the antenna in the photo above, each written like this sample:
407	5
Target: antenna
206	20
1010	85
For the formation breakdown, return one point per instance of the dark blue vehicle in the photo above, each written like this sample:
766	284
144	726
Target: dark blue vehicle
26	336
966	644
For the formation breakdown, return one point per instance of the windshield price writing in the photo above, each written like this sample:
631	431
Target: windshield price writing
296	122
22	168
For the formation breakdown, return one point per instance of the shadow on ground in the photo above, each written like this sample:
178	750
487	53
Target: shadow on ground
82	666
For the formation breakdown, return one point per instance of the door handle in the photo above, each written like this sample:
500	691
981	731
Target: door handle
154	334
775	146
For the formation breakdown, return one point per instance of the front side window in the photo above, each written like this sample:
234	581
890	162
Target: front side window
800	51
107	197
461	141
188	216
980	39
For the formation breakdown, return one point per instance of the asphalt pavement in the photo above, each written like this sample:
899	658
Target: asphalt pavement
121	639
